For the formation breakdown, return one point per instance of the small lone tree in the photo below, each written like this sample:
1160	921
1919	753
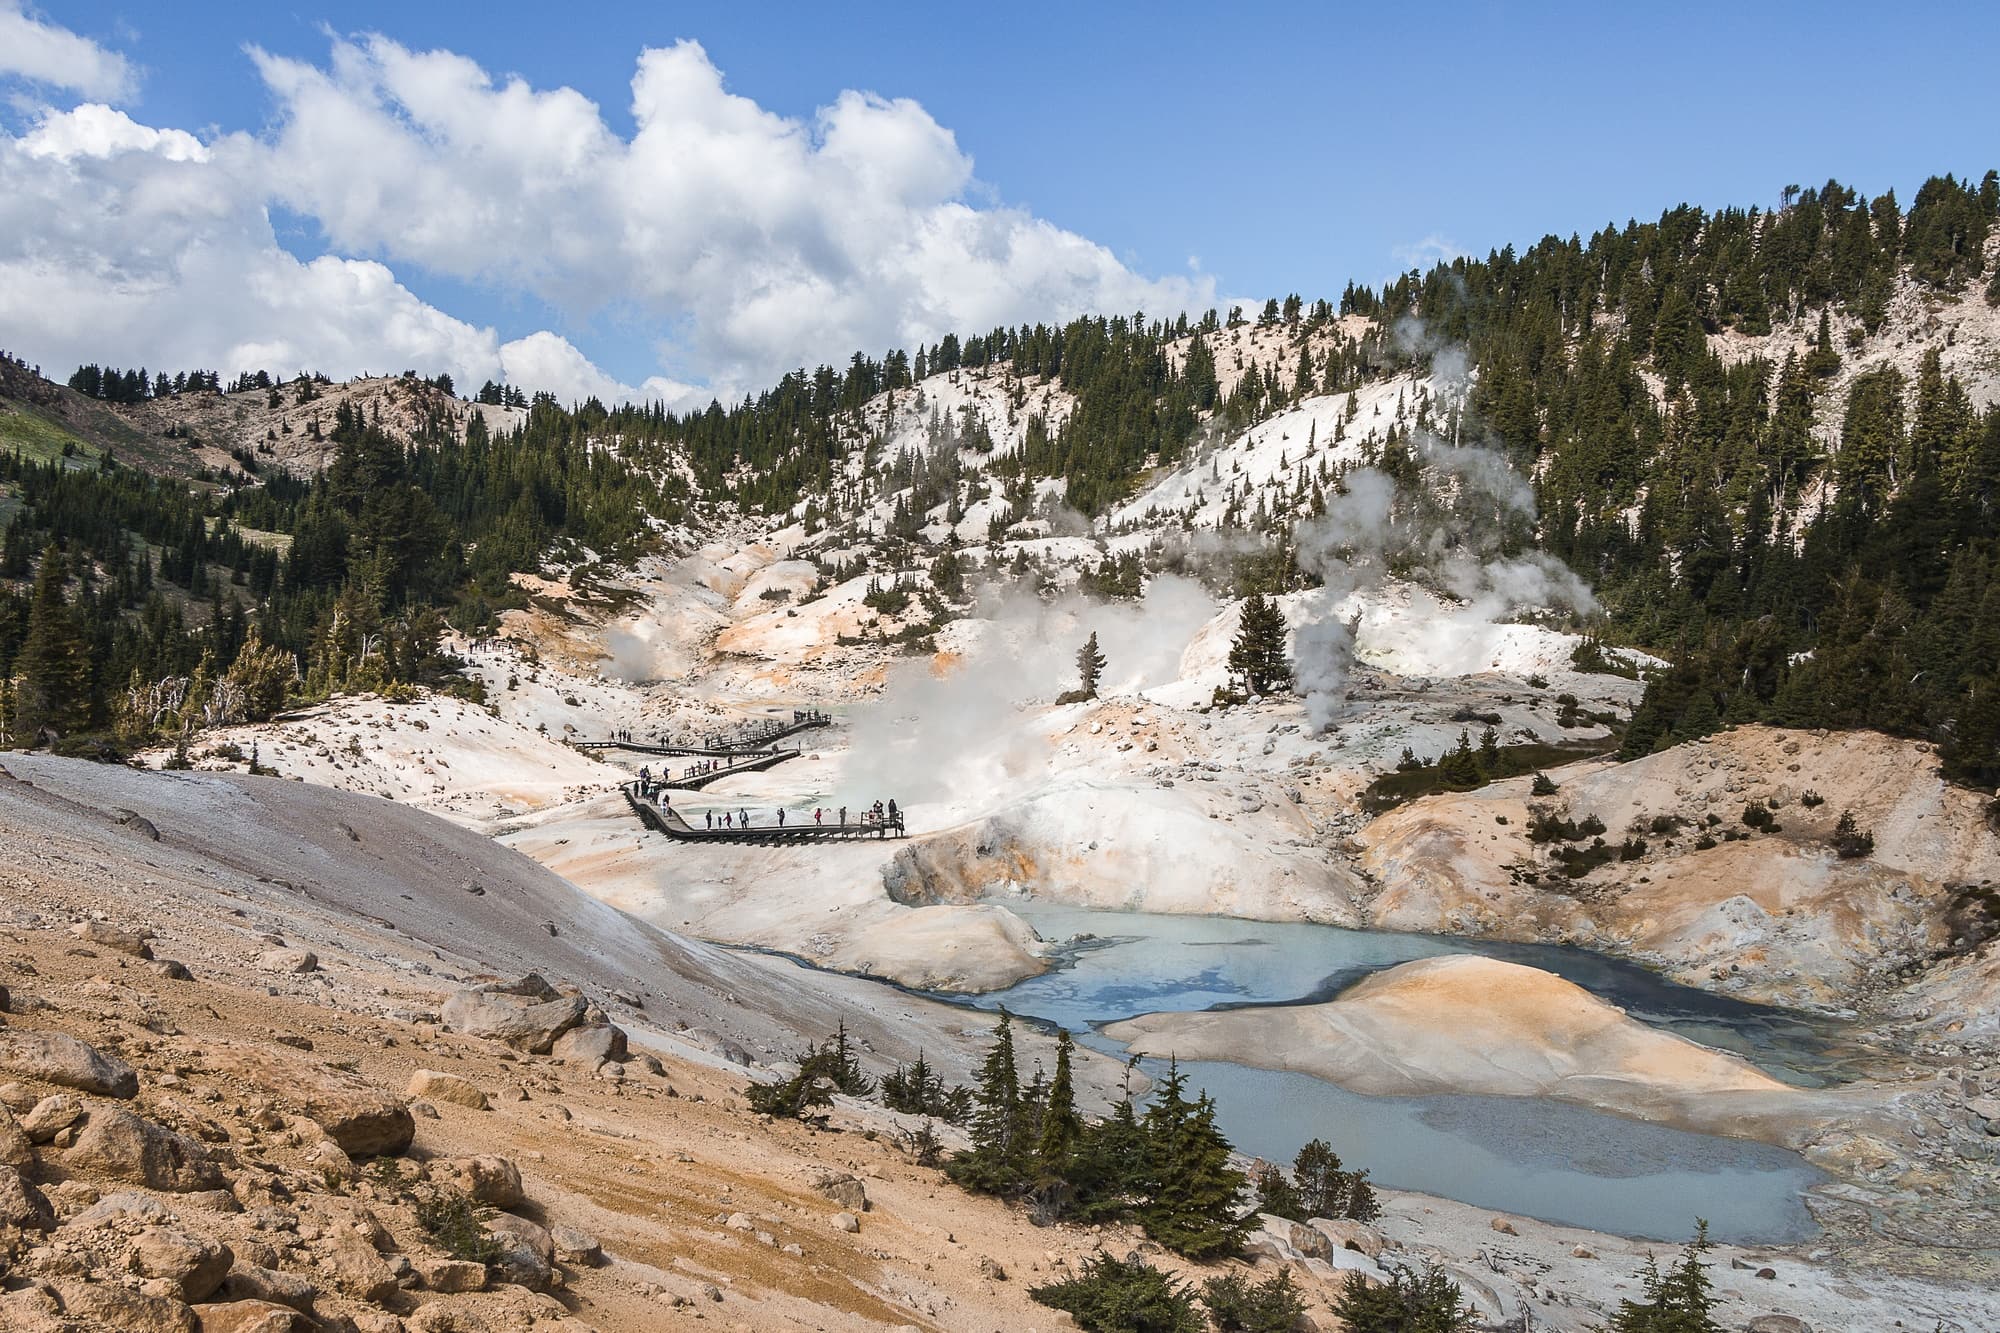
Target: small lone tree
1258	652
1679	1300
1089	667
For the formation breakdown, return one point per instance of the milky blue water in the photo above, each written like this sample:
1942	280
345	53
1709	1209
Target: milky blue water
1534	1156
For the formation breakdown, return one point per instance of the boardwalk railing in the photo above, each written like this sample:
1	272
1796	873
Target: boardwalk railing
701	777
719	745
669	822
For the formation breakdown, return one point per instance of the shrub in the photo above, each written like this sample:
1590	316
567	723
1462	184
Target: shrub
1811	799
1543	785
1850	840
1756	815
1118	1296
1271	1306
457	1225
1425	1300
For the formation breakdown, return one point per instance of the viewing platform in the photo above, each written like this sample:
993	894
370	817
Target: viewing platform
671	823
756	738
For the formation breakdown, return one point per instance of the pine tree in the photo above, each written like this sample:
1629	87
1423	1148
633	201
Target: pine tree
1089	667
1680	1300
1061	1125
1258	651
1191	1202
53	667
994	1165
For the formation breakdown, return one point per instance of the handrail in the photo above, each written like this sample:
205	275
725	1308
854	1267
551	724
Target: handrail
670	822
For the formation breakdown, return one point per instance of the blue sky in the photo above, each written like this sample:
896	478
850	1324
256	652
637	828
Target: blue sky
1278	148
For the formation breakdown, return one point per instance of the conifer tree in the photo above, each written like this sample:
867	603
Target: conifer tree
1089	667
1191	1201
1258	652
1061	1125
53	668
993	1166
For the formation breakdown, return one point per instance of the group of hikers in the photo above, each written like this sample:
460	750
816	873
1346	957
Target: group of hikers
694	770
881	815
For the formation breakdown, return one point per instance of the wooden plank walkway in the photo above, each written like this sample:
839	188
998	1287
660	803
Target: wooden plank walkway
669	822
753	741
749	763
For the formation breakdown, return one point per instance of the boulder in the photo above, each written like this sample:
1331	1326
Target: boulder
16	1148
433	1085
288	960
1777	1323
100	1305
355	1269
521	1022
58	1058
486	1178
22	1205
195	1264
591	1045
253	1317
847	1222
139	824
171	969
51	1116
121	1206
361	1119
577	1247
450	1276
253	1282
843	1189
1348	1235
131	942
527	1252
123	1146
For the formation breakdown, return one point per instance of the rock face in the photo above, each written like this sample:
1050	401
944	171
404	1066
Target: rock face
122	1146
56	1057
527	1023
362	1119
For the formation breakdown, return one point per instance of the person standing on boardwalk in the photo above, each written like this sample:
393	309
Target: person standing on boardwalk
843	816
711	818
781	816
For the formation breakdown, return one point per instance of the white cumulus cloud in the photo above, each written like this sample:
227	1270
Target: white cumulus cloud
731	242
43	53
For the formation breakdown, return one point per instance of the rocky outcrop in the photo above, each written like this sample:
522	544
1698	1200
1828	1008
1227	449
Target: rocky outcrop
58	1058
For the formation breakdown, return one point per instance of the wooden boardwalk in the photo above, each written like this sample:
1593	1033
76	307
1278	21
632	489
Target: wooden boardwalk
753	740
669	822
749	762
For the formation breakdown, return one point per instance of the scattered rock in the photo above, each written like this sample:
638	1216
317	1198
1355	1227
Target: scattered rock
591	1045
139	824
56	1057
101	1305
990	1269
253	1282
195	1264
517	1021
434	1085
527	1252
488	1179
288	960
171	969
22	1205
123	1146
843	1189
131	942
1582	1252
450	1276
362	1119
847	1222
253	1316
1777	1323
16	1148
579	1248
1504	1227
356	1269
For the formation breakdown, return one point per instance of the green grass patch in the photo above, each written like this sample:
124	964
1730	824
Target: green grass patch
40	439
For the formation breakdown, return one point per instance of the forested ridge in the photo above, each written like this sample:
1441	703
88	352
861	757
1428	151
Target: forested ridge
1694	480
